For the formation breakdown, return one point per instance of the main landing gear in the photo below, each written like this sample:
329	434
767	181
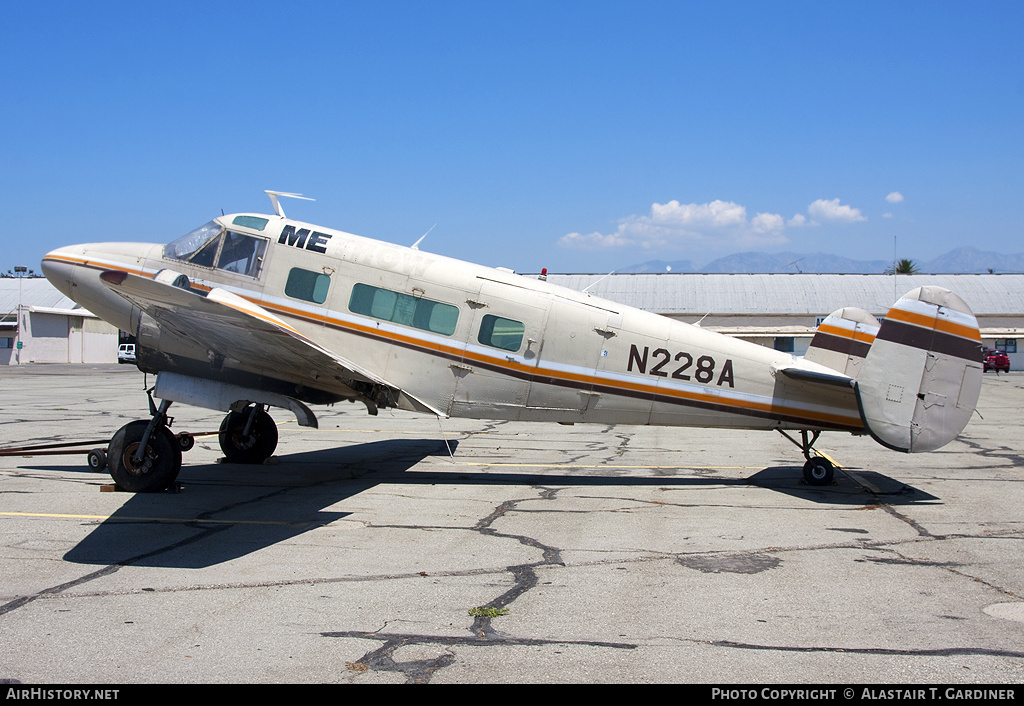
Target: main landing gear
249	436
145	457
818	470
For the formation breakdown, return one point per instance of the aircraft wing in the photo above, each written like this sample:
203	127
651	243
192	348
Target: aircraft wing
242	331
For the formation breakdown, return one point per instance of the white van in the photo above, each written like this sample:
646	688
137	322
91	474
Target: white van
126	353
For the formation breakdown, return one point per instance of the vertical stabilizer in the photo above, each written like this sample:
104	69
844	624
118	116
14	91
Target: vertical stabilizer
922	375
843	340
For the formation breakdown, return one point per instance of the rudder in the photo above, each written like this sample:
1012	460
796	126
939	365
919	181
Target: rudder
921	378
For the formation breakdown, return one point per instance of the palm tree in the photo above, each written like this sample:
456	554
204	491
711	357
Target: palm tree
902	267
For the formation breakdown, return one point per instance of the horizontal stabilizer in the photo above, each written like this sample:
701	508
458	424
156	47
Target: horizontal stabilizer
921	378
816	376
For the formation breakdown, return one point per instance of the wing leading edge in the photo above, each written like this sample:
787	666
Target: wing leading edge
248	337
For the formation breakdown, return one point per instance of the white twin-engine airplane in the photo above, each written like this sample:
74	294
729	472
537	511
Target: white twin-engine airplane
250	311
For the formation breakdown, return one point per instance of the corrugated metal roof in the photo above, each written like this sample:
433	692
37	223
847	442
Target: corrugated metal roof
814	294
35	291
690	293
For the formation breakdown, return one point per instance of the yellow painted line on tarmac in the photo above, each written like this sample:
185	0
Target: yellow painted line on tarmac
829	458
855	476
173	520
606	465
378	431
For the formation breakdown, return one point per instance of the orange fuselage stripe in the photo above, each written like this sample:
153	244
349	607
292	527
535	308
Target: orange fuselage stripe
450	351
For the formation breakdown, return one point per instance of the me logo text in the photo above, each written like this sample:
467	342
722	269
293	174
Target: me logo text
302	238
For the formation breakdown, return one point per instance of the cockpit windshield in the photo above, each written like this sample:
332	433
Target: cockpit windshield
211	246
189	244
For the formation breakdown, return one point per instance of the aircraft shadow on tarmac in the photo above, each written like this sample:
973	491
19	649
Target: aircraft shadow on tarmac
243	509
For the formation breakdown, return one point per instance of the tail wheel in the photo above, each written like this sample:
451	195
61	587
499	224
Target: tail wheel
819	471
97	459
256	446
157	466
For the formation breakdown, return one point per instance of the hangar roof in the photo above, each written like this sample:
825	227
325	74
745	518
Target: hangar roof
816	294
35	291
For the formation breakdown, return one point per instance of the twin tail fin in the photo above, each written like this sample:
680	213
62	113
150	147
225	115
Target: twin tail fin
917	375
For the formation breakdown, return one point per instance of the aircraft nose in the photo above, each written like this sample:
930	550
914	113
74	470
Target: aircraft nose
59	267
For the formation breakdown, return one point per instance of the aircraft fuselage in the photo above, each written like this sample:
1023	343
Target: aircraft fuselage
468	340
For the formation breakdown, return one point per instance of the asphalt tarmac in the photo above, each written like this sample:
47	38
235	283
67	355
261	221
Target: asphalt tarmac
401	548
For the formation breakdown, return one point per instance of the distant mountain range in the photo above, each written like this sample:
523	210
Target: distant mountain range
966	260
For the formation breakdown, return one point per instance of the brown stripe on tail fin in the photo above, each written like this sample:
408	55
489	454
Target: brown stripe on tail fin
843	339
921	378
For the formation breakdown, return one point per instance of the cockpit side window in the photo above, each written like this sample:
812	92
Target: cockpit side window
242	254
206	254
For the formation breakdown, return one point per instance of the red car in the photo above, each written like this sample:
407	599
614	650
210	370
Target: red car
995	360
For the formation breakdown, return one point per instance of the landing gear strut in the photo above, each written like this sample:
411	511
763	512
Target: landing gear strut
818	470
249	436
145	457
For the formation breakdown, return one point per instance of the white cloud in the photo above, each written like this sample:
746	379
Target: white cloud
894	197
767	223
832	211
717	214
593	241
717	224
674	225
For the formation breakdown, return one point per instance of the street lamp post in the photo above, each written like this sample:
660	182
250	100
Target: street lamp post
19	272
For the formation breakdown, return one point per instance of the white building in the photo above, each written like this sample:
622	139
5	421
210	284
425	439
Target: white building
38	324
781	311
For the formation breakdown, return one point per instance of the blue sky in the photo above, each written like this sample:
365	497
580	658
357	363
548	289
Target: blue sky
577	136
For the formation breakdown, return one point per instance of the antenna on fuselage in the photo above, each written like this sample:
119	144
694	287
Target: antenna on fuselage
416	245
277	207
600	280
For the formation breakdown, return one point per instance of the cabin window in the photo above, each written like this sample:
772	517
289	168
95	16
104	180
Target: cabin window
254	222
308	286
404	309
498	332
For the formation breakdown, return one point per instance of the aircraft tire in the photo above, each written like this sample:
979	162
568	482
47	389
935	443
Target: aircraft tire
160	464
97	460
819	471
257	447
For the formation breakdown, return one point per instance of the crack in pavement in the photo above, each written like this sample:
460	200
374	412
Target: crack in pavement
1005	453
482	629
921	652
420	671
